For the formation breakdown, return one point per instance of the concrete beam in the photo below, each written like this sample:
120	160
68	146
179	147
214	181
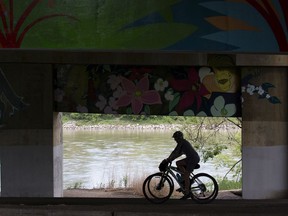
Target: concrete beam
138	57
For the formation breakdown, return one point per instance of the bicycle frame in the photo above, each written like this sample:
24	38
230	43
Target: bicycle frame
171	171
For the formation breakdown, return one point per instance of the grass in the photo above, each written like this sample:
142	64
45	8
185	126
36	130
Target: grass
76	185
226	184
90	119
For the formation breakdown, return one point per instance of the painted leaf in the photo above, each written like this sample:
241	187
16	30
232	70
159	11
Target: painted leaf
274	100
129	111
266	86
174	102
128	11
147	110
227	23
146	37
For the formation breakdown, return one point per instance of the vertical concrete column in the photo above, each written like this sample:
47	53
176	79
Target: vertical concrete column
30	134
265	140
57	155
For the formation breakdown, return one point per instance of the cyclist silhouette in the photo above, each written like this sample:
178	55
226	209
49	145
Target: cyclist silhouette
186	165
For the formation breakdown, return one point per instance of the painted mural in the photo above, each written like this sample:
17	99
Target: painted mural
260	91
15	26
181	25
148	90
8	98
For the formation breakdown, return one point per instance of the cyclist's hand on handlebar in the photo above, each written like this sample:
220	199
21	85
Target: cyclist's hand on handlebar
165	161
163	165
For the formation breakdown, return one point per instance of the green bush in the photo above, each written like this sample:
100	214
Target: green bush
226	184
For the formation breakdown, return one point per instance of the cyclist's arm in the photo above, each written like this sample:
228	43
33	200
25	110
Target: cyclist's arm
177	152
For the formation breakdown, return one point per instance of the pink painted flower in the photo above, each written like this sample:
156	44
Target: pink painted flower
137	95
192	88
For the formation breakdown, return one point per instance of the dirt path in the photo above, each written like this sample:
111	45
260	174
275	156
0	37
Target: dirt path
130	193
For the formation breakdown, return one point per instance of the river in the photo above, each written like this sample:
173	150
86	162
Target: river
113	158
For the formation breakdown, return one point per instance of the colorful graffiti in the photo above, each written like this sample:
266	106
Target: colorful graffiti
174	25
147	90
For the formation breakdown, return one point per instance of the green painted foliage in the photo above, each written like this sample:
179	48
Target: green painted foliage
102	24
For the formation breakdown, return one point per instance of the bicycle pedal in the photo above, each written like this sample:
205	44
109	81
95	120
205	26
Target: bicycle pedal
179	190
186	196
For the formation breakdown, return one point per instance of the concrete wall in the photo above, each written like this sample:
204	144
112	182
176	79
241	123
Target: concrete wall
31	148
265	143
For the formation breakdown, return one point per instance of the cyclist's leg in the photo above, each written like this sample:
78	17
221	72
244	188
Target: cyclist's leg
182	164
181	169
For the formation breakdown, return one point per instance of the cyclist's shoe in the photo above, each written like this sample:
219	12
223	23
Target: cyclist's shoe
186	196
179	189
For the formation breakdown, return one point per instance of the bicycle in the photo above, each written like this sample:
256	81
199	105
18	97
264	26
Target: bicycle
158	187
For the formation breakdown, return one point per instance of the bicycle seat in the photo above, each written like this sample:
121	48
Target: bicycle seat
197	166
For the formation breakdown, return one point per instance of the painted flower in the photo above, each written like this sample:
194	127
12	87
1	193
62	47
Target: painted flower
191	113
114	81
137	95
109	110
221	109
169	95
193	90
112	103
118	92
160	85
101	103
81	109
260	90
173	113
203	72
250	89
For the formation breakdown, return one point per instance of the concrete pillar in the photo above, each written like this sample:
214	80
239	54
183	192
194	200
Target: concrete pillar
57	155
265	142
31	138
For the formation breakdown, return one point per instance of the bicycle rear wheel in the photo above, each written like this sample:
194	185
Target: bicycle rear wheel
157	188
204	188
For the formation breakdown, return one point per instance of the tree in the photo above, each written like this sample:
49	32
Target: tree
212	137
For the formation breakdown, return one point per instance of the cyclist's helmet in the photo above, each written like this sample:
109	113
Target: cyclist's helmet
178	135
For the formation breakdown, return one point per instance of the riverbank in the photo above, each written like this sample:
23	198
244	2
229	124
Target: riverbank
72	125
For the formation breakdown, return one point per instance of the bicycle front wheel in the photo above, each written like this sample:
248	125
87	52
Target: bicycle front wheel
157	188
204	188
